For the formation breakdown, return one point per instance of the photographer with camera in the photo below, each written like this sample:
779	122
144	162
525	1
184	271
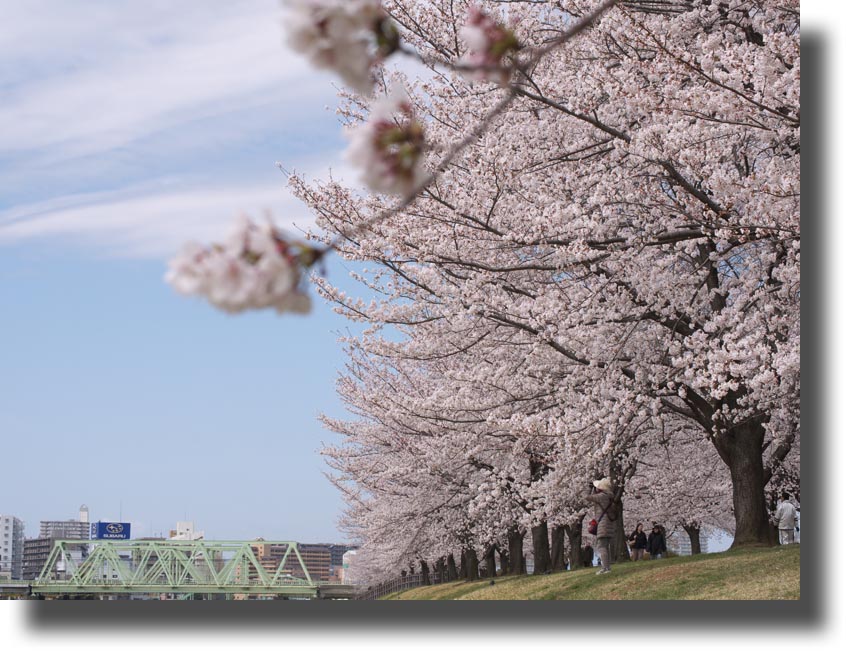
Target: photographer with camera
605	513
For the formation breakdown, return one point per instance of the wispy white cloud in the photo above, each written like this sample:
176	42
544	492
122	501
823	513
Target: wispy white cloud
152	220
137	222
85	82
139	69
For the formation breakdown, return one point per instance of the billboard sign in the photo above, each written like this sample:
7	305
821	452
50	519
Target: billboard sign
110	530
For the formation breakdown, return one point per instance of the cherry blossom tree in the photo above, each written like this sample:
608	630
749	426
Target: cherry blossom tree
433	466
585	229
640	218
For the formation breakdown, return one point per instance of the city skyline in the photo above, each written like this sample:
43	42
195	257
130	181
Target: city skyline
141	530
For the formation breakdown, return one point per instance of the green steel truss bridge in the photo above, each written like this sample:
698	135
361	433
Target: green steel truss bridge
179	568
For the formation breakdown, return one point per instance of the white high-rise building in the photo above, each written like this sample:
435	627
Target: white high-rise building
185	531
11	547
65	530
78	529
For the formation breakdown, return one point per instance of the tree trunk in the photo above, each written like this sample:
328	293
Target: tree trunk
424	569
503	562
619	549
538	469
587	555
557	548
741	448
574	535
452	572
515	551
470	564
490	561
462	566
693	534
540	548
440	572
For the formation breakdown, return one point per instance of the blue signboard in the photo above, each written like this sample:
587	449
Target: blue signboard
110	530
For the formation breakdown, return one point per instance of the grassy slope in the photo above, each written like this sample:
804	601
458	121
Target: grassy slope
752	573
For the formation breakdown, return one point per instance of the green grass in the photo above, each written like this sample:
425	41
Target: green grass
746	573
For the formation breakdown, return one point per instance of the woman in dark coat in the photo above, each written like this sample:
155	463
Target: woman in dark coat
656	544
637	542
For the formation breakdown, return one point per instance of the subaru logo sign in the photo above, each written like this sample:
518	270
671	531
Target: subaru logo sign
110	531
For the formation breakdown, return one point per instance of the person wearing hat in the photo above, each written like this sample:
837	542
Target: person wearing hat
604	514
657	543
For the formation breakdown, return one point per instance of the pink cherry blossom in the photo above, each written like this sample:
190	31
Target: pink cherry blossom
254	268
389	147
349	37
488	43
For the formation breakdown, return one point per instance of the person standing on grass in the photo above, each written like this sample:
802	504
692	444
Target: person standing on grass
657	543
604	513
785	519
637	542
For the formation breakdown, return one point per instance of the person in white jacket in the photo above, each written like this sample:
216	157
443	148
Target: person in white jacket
785	519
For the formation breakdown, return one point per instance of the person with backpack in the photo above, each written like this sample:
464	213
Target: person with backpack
637	542
656	545
602	526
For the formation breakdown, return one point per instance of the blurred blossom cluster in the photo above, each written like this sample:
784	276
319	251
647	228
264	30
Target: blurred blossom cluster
488	43
389	146
254	268
346	36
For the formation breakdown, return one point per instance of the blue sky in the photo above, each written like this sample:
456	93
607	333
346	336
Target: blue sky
129	128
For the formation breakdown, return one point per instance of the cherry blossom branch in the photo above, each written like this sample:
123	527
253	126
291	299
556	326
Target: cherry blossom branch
454	151
260	268
512	92
538	53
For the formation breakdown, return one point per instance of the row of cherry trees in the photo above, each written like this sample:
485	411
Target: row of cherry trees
585	248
